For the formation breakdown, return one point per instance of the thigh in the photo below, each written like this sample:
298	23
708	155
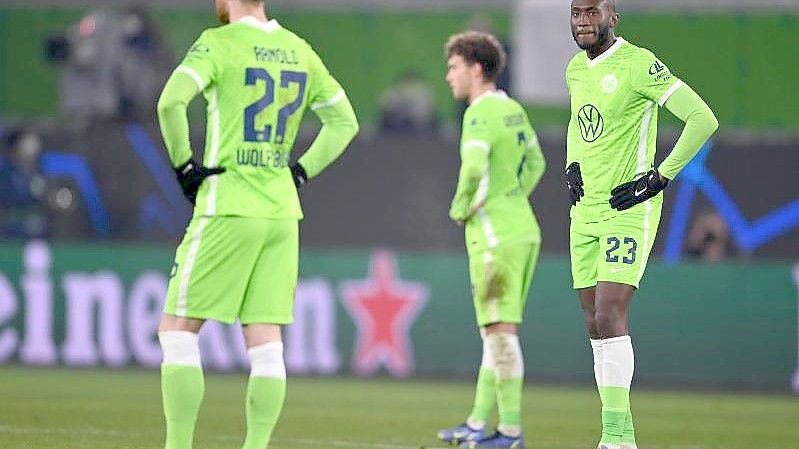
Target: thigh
584	252
212	268
500	279
625	245
528	270
270	294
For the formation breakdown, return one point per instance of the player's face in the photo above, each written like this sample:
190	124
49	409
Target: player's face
222	12
459	77
591	21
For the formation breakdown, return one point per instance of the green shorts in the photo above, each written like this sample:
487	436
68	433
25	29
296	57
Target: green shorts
501	278
614	250
230	267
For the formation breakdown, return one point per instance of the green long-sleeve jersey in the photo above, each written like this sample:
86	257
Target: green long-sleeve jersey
257	78
613	127
501	164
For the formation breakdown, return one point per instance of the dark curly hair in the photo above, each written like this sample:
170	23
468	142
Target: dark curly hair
481	48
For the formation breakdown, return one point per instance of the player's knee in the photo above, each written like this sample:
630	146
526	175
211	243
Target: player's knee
506	353
591	328
180	348
605	324
266	360
590	322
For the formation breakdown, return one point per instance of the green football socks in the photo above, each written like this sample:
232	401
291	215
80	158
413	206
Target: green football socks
614	364
265	396
507	355
485	398
182	388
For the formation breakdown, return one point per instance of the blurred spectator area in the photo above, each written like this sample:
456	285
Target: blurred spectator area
82	157
739	81
122	187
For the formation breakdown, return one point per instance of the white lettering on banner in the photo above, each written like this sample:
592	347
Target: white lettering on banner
146	301
796	375
83	291
102	328
8	309
38	347
311	339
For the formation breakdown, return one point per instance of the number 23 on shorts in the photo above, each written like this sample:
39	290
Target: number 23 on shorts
620	255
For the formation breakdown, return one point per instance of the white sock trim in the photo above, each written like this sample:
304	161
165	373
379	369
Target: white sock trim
180	348
475	424
615	339
488	358
510	431
618	362
599	353
266	360
507	354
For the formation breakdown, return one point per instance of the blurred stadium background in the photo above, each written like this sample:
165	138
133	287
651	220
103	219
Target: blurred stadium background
90	215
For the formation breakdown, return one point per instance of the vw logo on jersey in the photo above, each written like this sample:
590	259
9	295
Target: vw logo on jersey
591	123
609	83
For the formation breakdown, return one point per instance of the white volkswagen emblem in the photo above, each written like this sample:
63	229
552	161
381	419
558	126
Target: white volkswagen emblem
609	83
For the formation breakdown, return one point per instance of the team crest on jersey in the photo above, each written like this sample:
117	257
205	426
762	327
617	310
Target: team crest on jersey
609	83
591	123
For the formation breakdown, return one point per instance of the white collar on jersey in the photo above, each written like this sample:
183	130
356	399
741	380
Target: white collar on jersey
490	93
269	26
608	53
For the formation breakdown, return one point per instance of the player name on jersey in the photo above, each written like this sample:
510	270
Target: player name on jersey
279	55
262	158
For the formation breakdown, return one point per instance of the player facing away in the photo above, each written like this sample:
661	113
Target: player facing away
615	90
239	256
501	163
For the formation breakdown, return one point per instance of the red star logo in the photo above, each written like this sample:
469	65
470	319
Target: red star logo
383	308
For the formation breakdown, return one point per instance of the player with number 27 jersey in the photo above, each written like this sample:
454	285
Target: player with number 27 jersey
257	78
239	257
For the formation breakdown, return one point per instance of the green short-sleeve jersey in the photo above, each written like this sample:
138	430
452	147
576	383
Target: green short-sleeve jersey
258	78
613	127
501	165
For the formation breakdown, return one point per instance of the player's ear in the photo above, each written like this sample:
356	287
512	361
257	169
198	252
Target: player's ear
476	70
614	19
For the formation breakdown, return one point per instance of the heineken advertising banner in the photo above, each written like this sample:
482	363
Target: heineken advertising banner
403	314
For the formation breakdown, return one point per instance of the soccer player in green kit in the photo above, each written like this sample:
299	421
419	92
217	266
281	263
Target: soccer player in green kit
501	163
239	256
615	90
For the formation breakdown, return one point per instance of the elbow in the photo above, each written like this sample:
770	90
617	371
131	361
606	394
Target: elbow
713	123
353	128
473	175
167	105
164	106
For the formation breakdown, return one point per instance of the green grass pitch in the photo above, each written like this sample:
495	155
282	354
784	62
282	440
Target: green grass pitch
65	409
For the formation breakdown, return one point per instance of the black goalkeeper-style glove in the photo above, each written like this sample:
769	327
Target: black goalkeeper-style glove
191	175
635	192
299	175
574	182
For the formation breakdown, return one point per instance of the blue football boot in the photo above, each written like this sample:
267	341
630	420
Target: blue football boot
496	441
459	434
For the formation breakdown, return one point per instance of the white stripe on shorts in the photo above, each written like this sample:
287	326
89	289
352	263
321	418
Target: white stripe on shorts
188	266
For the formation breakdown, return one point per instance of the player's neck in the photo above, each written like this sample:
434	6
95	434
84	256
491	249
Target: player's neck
481	89
239	11
595	52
